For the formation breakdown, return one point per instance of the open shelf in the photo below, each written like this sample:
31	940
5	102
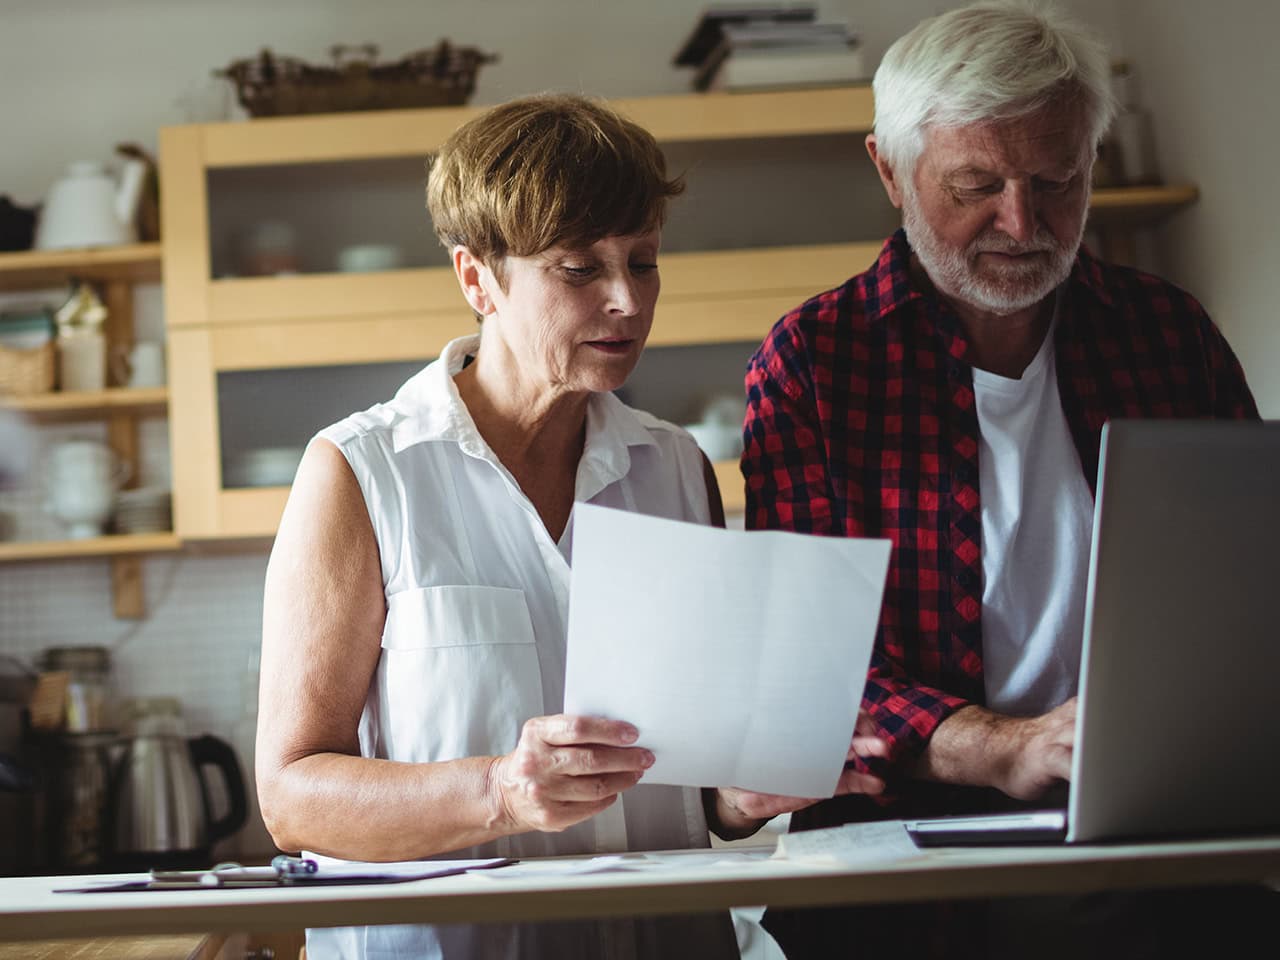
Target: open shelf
33	269
1139	206
417	133
111	545
78	405
732	490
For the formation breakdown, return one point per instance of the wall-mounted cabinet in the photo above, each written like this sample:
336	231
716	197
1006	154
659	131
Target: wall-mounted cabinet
781	204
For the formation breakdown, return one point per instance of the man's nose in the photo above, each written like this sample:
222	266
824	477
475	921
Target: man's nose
1016	214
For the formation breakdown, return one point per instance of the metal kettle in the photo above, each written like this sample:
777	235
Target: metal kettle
161	797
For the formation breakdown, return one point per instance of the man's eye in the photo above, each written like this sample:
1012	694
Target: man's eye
979	189
578	273
1055	186
643	267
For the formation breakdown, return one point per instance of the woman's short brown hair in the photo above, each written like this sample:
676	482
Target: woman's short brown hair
545	170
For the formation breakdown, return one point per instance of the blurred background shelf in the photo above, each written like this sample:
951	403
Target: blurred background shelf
112	545
1140	206
30	269
79	405
729	478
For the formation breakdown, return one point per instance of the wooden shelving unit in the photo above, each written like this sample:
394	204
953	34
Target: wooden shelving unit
115	270
95	404
1134	207
37	269
113	545
319	319
729	479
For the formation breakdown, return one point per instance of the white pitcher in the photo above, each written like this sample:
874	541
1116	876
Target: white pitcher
87	207
82	478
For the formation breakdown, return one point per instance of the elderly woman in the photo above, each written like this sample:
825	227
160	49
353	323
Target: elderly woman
417	594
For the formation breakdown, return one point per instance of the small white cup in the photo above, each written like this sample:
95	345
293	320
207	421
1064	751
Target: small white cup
146	364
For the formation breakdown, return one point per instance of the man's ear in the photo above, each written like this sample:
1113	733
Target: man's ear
891	185
475	279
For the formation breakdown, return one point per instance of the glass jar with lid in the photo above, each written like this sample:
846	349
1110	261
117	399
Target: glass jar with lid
87	706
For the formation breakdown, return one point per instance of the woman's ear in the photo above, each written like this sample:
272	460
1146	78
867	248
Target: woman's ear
475	279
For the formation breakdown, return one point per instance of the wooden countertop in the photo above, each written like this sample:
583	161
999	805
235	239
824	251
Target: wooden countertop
701	880
190	946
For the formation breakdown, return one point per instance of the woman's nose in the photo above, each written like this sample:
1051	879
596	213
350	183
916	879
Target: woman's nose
624	296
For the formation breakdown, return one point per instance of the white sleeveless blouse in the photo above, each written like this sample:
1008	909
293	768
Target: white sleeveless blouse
474	643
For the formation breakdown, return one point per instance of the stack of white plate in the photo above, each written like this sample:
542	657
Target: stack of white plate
144	510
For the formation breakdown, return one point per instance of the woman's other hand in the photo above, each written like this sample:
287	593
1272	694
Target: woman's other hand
740	813
564	770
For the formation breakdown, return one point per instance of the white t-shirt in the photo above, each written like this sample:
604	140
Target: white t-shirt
475	637
1037	520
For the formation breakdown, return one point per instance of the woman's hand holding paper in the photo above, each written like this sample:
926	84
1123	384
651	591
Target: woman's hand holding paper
564	770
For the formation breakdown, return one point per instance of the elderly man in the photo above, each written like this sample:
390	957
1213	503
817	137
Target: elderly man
952	399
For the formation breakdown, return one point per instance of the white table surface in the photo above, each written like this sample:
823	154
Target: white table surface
29	909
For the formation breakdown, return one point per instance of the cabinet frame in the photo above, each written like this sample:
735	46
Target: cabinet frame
220	325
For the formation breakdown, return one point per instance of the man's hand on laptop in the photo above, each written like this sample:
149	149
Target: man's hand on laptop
1021	756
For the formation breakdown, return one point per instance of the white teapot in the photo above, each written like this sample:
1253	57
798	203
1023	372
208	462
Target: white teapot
82	478
89	208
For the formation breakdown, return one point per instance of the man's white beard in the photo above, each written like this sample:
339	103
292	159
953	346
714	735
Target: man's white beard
1004	290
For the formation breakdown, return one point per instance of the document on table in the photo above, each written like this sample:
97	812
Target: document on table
739	655
881	841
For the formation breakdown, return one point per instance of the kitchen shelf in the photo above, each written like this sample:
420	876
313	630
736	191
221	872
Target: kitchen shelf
732	490
35	269
116	269
91	404
1139	206
417	133
112	545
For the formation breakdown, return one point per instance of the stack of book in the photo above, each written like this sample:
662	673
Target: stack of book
751	47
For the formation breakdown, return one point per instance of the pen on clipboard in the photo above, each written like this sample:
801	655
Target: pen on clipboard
229	874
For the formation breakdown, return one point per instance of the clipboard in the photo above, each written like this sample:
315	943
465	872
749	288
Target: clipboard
286	871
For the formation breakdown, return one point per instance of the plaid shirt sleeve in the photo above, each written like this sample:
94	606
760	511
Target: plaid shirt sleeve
788	470
784	460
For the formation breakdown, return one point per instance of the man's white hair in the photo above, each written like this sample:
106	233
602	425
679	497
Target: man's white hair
995	60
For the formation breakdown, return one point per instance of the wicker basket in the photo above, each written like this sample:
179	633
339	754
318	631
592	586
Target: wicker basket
272	86
24	372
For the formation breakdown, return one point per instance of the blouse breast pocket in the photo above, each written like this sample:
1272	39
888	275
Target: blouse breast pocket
459	673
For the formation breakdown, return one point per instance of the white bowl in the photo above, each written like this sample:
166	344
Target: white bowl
718	441
265	467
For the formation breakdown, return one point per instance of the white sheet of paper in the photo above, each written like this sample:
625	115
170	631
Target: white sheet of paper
739	655
879	841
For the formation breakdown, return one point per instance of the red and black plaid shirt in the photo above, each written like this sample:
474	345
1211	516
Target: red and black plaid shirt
861	422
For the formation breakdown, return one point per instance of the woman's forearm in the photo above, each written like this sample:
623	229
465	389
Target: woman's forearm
363	809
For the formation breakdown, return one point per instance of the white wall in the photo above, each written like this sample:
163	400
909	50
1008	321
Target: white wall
1211	78
78	76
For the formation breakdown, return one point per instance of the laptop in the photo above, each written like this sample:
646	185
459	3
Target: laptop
1178	721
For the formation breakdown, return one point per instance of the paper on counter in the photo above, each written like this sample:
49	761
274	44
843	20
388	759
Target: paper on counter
332	869
686	861
739	655
853	843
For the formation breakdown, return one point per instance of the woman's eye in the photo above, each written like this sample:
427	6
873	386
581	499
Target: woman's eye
578	272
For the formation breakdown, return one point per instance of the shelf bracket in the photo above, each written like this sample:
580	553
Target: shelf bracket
126	588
